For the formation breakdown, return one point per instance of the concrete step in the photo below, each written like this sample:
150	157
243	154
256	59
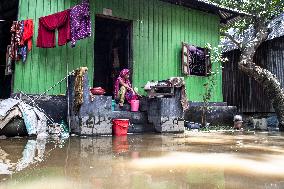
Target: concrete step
140	128
126	107
210	104
134	117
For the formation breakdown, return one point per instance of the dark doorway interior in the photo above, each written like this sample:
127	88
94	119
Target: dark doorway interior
112	51
8	13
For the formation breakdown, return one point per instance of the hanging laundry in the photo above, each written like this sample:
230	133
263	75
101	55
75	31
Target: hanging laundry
19	32
23	52
47	26
15	39
9	61
20	48
21	42
28	34
80	22
26	40
78	87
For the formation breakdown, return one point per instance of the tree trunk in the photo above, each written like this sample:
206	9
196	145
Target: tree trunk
271	86
265	78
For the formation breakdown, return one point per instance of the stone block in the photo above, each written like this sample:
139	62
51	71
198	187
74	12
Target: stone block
261	121
143	106
163	113
169	125
92	125
171	107
260	124
102	104
216	115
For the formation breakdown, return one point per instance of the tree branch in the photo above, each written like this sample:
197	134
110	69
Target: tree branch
260	36
239	45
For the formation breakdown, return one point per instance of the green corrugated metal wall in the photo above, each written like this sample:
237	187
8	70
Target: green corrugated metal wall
158	30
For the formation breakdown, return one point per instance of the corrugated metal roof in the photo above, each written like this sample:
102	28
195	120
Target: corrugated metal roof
277	30
226	15
226	9
277	26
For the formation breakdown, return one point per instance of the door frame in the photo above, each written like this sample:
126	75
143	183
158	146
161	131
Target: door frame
130	53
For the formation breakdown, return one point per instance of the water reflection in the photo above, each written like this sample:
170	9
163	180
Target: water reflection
191	160
29	153
19	153
120	144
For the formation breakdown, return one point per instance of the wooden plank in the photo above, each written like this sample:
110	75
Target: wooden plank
51	53
126	9
164	62
160	41
130	9
26	67
135	13
146	69
155	40
151	39
175	39
63	57
170	42
21	71
31	60
44	55
18	69
36	52
180	38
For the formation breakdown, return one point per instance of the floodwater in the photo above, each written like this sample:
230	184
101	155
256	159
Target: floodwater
220	159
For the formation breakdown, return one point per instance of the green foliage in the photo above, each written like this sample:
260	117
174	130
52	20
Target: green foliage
209	86
211	82
261	11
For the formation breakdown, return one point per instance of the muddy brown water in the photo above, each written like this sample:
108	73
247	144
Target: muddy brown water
223	159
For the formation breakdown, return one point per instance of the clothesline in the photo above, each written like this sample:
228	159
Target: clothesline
6	20
9	20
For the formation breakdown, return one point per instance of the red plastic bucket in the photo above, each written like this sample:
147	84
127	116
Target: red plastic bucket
134	105
120	126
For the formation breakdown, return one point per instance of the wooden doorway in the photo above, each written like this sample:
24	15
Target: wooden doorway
113	50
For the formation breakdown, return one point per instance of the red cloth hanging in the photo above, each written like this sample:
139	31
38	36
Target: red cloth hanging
28	33
47	26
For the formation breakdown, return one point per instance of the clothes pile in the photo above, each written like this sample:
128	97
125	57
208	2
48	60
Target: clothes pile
35	120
